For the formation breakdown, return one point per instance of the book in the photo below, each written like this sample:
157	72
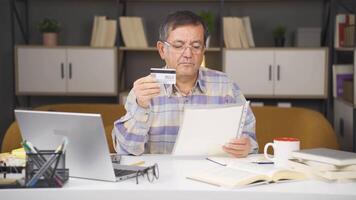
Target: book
94	30
110	36
248	28
348	91
323	170
215	124
240	174
133	32
99	31
341	73
341	22
324	155
231	33
349	35
239	26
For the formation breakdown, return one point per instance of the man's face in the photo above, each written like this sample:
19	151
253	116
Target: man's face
184	50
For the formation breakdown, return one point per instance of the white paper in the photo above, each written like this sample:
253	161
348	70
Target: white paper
205	130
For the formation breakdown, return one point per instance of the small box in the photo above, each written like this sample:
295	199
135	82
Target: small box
348	91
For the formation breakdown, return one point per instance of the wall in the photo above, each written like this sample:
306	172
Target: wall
6	82
76	17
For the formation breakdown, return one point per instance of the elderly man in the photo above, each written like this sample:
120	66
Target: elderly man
154	111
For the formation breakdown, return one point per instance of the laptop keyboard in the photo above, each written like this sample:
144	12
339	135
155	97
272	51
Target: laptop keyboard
120	172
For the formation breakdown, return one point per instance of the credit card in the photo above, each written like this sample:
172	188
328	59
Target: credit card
164	76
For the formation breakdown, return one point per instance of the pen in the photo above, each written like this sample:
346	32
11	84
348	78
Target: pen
263	163
216	162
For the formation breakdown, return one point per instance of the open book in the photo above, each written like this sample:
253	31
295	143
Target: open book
241	174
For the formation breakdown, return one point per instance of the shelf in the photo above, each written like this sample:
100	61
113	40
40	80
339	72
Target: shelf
344	101
138	48
344	48
212	49
64	46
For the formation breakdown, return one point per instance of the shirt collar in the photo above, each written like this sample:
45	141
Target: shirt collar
199	84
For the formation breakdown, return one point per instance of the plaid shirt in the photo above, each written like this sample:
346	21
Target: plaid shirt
154	130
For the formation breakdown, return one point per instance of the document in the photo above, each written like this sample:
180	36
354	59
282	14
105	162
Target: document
205	130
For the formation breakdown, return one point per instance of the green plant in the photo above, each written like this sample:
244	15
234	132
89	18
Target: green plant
49	26
208	18
279	31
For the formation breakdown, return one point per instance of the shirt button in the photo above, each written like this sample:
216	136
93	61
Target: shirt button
186	100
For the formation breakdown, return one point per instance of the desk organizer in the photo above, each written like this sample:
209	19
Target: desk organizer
46	168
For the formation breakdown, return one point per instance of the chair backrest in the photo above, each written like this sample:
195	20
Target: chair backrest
109	113
310	127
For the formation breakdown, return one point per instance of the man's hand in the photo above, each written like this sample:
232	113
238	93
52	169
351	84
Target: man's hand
238	147
145	89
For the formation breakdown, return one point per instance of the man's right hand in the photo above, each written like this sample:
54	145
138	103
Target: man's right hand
145	89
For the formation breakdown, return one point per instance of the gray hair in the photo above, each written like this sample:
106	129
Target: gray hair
181	18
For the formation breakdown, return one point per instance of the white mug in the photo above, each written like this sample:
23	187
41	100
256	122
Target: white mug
282	148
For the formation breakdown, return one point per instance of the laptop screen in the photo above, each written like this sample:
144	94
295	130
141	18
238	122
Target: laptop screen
87	154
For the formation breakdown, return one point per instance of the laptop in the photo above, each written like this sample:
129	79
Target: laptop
87	154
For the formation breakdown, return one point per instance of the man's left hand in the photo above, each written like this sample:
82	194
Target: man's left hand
239	148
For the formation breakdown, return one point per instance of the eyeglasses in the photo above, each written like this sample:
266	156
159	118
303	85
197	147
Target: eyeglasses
151	172
196	47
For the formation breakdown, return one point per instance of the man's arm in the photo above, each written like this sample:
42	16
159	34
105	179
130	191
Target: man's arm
247	144
130	131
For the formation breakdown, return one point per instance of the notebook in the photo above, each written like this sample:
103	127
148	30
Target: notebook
87	154
331	156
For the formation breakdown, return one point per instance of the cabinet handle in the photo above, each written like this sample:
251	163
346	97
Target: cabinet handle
70	70
270	72
62	70
341	127
278	73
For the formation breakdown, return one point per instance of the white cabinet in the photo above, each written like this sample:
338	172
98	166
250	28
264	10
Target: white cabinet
66	71
343	124
40	70
291	73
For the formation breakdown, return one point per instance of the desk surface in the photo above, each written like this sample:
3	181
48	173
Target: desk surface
172	185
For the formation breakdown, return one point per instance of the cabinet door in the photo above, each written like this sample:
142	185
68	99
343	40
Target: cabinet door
343	124
40	70
251	70
92	71
300	72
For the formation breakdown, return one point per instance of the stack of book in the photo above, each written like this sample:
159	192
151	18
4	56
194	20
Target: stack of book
238	32
308	37
133	32
103	32
344	29
326	164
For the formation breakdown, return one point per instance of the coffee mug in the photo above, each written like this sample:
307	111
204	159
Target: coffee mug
282	148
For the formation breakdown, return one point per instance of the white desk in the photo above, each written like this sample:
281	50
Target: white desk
173	185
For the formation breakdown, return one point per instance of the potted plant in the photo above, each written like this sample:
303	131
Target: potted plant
49	29
209	20
279	36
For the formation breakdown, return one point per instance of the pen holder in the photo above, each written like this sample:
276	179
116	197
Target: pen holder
46	169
